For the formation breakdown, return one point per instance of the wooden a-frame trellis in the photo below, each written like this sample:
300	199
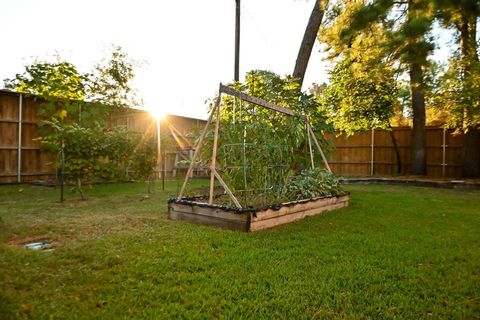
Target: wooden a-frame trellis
216	112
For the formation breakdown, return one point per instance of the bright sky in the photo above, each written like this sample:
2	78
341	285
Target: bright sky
187	46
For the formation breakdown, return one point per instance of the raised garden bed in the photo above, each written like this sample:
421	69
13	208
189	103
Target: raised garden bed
251	219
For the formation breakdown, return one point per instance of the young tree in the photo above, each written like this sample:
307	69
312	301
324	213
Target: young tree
356	100
75	111
82	147
144	160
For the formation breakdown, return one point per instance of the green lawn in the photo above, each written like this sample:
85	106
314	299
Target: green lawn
396	252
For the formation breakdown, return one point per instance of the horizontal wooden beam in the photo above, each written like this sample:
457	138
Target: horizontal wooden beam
23	148
260	102
16	121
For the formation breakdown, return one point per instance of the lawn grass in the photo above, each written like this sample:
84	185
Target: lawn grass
396	252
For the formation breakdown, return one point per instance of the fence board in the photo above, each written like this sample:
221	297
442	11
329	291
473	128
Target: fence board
352	155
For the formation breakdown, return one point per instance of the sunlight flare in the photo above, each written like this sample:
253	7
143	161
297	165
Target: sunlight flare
157	112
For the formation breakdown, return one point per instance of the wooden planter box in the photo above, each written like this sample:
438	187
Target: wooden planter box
249	220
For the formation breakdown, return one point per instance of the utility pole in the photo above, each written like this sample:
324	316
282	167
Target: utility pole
237	40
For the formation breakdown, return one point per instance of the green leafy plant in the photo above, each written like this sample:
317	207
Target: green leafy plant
259	147
312	183
82	147
90	153
144	160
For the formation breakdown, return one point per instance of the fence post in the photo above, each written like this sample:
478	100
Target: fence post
372	156
444	149
19	152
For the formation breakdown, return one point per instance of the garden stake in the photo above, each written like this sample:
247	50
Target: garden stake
197	149
310	145
320	150
227	189
214	153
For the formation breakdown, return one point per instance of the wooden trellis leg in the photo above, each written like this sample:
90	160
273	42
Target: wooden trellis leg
197	149
310	145
227	189
214	153
319	149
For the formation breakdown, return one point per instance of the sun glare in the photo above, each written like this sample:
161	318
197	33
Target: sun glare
157	112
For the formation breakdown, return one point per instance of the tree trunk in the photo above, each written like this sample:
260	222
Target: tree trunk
308	41
79	188
418	165
397	150
469	55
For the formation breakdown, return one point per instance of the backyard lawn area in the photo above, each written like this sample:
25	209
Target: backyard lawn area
396	252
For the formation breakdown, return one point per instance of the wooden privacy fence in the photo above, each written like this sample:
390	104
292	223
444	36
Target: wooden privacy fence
364	153
21	159
372	152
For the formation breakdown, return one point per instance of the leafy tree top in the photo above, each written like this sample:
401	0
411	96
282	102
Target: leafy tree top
355	100
50	80
69	93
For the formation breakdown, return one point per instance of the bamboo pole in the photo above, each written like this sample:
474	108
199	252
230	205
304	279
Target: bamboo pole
320	150
227	189
197	151
213	163
310	145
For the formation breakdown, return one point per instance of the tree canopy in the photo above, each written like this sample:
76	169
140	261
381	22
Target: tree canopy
394	38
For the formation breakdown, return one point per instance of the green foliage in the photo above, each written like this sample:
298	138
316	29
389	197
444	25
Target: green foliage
90	152
59	83
82	147
355	100
110	81
258	147
117	149
73	97
457	96
58	80
381	39
312	183
404	26
75	110
144	159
